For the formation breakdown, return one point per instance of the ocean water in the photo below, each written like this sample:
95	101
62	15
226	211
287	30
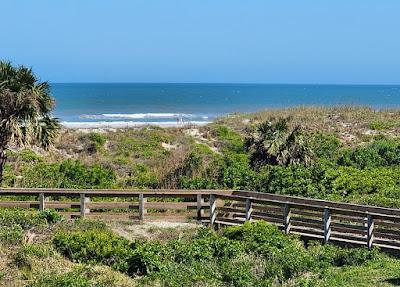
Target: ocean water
91	105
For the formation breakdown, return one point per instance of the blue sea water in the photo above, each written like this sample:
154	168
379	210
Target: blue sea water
162	103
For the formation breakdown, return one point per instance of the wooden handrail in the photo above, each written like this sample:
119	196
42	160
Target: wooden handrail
328	221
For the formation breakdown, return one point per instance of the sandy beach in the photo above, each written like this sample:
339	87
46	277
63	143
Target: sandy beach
126	124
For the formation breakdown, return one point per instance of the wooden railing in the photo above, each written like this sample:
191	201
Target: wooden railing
327	221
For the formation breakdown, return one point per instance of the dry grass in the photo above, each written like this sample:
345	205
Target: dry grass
353	125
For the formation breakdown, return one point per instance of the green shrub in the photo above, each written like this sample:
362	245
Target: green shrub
331	255
325	145
51	216
377	154
232	141
25	219
94	247
97	142
292	180
68	174
29	156
286	257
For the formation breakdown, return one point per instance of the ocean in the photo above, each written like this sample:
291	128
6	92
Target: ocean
120	105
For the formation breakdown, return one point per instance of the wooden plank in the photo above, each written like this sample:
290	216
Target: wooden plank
230	210
327	224
318	222
318	202
19	204
389	224
286	218
307	213
306	224
279	216
370	231
213	209
111	192
305	230
350	236
348	230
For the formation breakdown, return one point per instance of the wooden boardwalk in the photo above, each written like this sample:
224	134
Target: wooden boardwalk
327	221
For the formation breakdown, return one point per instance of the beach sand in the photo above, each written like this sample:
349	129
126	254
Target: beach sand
125	124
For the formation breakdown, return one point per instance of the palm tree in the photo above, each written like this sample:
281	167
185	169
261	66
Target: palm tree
25	111
276	143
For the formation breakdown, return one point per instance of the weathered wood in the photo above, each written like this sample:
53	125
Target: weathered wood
286	218
370	231
248	209
200	203
366	225
213	209
41	201
84	210
142	209
327	225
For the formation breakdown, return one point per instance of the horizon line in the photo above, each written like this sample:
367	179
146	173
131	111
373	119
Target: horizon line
233	83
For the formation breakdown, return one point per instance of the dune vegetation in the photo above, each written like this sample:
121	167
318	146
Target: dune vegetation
346	153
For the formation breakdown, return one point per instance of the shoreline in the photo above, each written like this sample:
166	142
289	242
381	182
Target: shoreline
124	124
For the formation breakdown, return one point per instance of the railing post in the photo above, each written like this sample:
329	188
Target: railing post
213	209
200	211
249	209
286	214
142	209
327	224
370	230
83	208
41	201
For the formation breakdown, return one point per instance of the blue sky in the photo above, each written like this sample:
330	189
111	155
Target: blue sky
259	41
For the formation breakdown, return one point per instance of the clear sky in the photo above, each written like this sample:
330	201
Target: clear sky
255	41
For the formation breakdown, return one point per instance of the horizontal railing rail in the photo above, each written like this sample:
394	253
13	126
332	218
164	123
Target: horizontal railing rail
323	220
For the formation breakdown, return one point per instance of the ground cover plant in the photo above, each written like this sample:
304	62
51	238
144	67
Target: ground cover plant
90	253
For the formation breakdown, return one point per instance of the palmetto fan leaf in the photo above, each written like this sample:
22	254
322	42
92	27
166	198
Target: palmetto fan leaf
25	110
274	142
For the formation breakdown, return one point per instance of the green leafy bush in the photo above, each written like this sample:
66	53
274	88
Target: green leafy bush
69	174
331	255
94	246
286	257
29	156
23	218
51	216
325	146
377	154
97	142
232	141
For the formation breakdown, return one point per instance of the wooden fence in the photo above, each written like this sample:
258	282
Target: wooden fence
311	218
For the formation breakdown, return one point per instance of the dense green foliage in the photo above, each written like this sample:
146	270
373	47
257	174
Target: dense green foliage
249	255
274	157
14	222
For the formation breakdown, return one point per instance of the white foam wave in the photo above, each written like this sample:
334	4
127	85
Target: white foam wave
142	116
128	124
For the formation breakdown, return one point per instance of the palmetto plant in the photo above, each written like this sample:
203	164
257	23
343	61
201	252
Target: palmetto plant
277	143
25	110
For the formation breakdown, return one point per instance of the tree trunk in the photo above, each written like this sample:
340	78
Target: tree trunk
3	159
